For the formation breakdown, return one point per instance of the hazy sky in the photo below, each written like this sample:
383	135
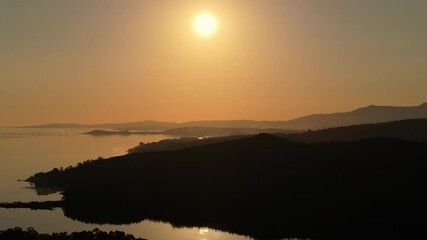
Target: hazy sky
95	61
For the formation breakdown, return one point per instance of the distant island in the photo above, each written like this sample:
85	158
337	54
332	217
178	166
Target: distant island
369	114
100	132
264	186
191	132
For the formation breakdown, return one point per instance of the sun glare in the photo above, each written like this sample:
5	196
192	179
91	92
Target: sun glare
205	24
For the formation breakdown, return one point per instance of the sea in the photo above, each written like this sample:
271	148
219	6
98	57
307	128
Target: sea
26	151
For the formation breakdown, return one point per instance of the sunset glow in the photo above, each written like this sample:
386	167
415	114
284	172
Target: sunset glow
206	60
205	24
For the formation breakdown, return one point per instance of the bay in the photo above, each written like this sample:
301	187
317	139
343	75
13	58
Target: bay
25	151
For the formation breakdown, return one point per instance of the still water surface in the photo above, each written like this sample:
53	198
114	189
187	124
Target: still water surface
24	152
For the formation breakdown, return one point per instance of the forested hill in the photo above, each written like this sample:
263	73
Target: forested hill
263	186
413	129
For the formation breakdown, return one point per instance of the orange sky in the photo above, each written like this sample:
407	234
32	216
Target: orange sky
119	61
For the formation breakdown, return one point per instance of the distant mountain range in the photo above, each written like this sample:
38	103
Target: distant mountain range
370	114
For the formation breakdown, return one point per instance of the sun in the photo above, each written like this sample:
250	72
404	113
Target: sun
205	24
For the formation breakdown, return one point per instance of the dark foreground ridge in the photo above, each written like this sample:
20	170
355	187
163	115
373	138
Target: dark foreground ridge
96	234
262	186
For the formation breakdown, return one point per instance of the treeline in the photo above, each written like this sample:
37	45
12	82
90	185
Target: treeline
180	143
58	171
31	234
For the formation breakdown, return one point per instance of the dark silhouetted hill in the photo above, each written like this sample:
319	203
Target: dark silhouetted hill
180	143
413	129
216	132
263	186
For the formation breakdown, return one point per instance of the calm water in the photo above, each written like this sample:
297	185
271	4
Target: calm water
24	152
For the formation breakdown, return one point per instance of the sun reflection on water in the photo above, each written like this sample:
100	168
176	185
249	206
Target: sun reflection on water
203	231
210	234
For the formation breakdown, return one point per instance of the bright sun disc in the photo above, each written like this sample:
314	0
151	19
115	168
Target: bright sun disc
205	24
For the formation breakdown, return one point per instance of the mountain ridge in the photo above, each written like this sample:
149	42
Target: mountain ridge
363	115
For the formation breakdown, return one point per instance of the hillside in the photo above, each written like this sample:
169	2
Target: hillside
412	129
370	114
217	132
263	186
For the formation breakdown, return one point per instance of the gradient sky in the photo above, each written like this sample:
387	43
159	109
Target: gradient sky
95	61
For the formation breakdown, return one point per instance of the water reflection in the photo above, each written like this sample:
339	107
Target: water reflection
203	231
26	151
49	221
212	234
